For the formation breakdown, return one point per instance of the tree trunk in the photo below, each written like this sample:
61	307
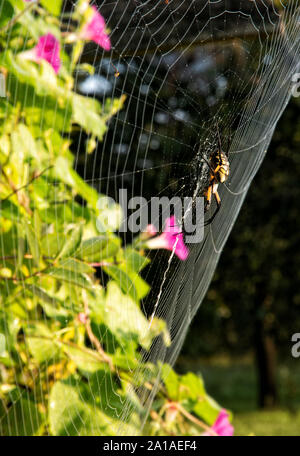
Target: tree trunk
265	351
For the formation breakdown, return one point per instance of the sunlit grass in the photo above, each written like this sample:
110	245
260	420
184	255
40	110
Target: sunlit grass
271	423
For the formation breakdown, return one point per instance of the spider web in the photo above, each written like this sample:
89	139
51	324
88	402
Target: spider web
187	68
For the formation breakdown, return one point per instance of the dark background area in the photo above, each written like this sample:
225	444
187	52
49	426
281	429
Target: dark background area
252	307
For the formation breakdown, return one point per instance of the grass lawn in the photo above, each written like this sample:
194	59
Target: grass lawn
234	386
276	422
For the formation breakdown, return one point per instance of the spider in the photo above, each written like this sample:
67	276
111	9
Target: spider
220	168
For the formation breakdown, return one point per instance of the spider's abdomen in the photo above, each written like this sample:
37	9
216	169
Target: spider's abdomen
222	164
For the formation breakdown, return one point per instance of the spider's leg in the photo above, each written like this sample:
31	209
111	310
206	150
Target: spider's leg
208	196
218	200
208	164
214	171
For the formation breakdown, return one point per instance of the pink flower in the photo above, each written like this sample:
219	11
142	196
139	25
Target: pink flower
151	230
82	317
47	49
170	239
171	413
94	30
222	426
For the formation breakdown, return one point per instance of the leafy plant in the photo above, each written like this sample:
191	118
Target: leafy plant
71	345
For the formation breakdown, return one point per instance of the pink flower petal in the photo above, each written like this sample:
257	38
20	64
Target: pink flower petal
222	426
94	30
174	237
47	49
151	230
171	238
82	317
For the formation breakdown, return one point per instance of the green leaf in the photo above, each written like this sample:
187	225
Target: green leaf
193	386
76	408
22	140
77	266
66	174
9	242
9	211
5	144
2	344
73	240
18	310
21	246
124	318
53	307
51	243
159	327
208	409
90	248
98	248
112	106
40	342
26	72
171	381
123	279
6	12
23	419
135	260
54	7
53	116
47	77
88	361
34	87
86	112
9	326
63	213
36	25
71	277
142	287
33	241
18	4
126	359
58	214
192	390
85	67
128	278
42	294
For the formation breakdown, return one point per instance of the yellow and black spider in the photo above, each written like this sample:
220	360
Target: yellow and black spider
220	168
